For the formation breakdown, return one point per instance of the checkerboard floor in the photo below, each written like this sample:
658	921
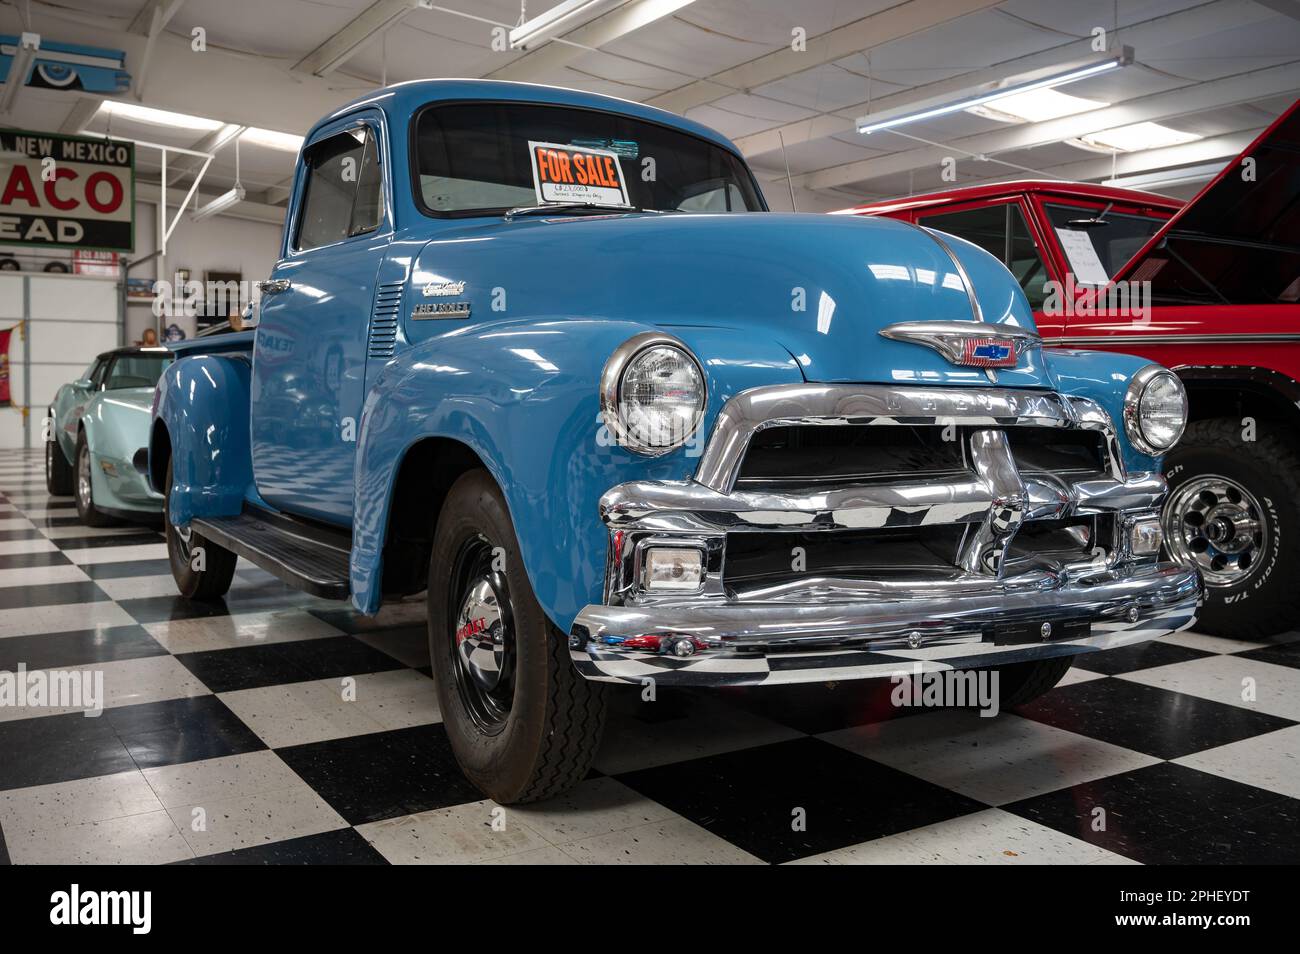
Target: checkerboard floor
276	728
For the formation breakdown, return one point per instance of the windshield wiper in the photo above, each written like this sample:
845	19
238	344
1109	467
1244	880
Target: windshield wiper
570	207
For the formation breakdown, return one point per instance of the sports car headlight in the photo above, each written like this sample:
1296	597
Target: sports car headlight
652	394
1155	410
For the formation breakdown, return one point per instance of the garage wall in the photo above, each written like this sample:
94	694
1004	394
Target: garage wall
70	319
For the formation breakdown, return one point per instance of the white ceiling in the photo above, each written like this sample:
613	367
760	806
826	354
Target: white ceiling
1222	69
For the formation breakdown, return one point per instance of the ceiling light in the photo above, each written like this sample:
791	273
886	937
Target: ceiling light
1035	106
561	18
1026	83
157	117
272	139
1134	138
219	204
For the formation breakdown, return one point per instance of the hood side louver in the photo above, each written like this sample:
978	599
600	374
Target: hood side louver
383	321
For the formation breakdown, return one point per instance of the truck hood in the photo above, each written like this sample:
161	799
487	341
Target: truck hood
1238	241
823	287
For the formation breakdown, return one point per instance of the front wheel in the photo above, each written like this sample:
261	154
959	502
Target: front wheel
1024	682
90	515
1233	512
523	724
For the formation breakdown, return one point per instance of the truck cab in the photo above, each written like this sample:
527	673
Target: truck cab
546	358
1209	288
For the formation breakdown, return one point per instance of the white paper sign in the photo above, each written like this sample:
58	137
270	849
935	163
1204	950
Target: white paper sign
577	174
1082	256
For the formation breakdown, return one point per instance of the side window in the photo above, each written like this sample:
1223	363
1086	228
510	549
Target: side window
343	195
1001	231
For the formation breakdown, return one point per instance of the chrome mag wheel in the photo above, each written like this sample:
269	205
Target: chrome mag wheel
483	637
1216	524
83	478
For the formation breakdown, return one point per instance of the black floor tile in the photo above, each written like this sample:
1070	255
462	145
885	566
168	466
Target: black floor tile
180	730
79	647
1146	719
129	568
4	850
158	609
59	748
50	594
749	797
25	534
111	540
250	667
22	561
1171	814
1148	655
70	520
1282	654
816	707
344	846
368	778
350	621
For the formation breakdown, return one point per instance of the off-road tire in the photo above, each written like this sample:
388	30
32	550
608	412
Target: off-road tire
212	581
1267	601
545	742
1024	682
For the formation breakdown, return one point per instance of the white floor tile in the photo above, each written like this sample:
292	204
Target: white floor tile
244	629
73	803
146	839
1270	761
11	547
1275	689
249	820
141	551
220	779
31	620
996	760
42	575
457	835
138	587
677	841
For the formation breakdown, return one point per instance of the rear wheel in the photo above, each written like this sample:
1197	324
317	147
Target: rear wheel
202	569
90	515
523	724
59	475
1233	512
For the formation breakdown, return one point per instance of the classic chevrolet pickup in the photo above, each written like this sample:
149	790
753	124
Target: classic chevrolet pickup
544	355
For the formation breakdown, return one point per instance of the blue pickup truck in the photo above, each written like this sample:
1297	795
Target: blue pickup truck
546	356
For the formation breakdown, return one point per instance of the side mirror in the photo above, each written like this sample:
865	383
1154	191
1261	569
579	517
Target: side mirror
83	383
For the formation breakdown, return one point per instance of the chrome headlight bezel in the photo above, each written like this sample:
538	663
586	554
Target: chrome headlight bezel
611	385
1133	396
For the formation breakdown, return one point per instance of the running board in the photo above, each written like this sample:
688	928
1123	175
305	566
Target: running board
312	558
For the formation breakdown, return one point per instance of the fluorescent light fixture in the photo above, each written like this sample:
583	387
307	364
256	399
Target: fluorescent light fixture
1035	106
1134	138
20	68
561	18
158	117
934	108
272	139
219	204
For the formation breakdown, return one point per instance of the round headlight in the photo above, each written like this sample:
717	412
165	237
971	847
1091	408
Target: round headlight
1155	410
652	394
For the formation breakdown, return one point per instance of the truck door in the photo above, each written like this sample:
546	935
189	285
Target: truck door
309	357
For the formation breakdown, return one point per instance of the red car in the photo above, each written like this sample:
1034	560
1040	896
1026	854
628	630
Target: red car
1211	289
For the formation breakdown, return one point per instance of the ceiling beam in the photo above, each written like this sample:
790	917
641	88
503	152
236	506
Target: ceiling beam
148	191
149	22
894	23
1214	94
80	115
1206	20
336	51
591	36
182	166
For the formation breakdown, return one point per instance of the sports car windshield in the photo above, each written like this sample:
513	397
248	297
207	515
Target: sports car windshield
136	371
479	158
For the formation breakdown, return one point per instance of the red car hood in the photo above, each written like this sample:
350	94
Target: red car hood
1238	241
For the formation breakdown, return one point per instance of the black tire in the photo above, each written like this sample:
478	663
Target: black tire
534	734
212	581
1024	682
1263	600
84	487
59	475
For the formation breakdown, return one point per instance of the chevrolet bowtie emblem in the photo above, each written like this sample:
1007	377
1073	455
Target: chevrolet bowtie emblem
970	344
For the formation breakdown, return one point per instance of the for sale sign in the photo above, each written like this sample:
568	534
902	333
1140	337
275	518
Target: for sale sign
66	191
576	174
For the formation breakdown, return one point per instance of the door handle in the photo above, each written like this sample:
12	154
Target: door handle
273	286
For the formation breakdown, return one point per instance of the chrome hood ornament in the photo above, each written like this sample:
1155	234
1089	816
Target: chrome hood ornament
971	344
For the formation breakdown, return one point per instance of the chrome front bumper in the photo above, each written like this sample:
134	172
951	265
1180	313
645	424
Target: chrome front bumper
982	611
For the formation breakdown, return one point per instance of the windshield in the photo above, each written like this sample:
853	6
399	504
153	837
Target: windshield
476	158
1095	253
136	371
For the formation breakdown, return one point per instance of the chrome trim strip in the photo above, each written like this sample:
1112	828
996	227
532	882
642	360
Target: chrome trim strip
947	337
751	411
984	549
976	313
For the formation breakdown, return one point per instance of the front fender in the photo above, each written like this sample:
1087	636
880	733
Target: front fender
1103	377
203	402
523	395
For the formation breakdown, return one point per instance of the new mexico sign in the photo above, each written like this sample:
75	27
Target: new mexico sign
66	191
